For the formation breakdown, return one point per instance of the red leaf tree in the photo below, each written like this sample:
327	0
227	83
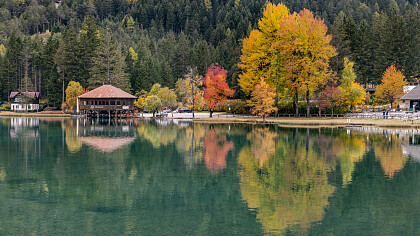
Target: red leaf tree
216	89
331	97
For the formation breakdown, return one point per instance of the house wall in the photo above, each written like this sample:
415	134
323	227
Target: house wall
24	107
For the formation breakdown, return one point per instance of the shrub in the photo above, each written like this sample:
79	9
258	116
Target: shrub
236	106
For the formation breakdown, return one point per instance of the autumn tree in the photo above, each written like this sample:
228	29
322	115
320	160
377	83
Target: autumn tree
331	97
391	87
155	89
353	92
260	58
188	90
306	51
168	97
216	89
152	103
262	100
74	89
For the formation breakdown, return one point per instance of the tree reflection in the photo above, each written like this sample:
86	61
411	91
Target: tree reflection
290	188
388	151
216	149
74	144
352	150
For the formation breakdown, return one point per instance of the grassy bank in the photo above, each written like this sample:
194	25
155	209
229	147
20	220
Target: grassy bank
34	114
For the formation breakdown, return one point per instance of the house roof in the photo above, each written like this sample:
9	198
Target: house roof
107	91
29	94
414	94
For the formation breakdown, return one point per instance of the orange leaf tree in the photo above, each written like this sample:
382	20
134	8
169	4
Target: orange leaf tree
216	89
262	100
306	51
392	85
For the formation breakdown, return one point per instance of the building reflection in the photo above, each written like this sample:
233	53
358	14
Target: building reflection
102	135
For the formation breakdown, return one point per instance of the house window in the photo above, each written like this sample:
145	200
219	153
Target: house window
85	103
112	103
96	102
91	102
118	103
123	103
107	103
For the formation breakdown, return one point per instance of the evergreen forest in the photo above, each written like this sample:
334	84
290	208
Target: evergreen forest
45	44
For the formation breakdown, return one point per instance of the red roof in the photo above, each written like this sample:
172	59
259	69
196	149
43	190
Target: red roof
29	94
107	91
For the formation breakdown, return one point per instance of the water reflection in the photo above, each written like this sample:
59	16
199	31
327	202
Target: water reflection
216	149
287	186
180	177
102	135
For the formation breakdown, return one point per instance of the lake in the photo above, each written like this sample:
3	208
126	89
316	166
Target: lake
176	177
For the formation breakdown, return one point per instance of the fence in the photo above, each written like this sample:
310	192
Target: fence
405	116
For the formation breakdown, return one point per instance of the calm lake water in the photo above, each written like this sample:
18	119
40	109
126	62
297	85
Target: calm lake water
75	177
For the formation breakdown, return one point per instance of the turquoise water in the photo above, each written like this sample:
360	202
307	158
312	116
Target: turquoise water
78	177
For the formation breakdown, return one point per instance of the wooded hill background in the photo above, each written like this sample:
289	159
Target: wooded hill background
137	43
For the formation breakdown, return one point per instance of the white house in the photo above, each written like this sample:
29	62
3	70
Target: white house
24	101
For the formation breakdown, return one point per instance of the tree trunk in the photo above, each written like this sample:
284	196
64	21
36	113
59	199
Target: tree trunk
332	111
308	107
154	113
211	113
276	104
263	117
296	102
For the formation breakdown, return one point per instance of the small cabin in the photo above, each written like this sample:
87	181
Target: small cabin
411	99
108	101
24	101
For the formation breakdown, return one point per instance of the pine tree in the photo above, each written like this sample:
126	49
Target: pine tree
88	45
50	72
109	65
11	66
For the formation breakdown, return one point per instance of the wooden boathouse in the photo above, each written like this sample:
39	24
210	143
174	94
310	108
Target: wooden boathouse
106	101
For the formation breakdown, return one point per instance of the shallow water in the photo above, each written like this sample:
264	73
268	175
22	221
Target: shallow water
79	177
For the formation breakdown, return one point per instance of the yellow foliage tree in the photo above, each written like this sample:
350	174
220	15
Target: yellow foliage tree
391	88
185	87
259	56
74	89
2	50
306	51
353	92
262	100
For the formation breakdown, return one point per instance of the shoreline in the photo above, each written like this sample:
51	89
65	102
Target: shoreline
281	121
315	122
59	114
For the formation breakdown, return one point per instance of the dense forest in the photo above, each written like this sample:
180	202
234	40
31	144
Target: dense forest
44	44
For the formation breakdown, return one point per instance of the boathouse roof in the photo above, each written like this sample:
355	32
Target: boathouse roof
107	91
